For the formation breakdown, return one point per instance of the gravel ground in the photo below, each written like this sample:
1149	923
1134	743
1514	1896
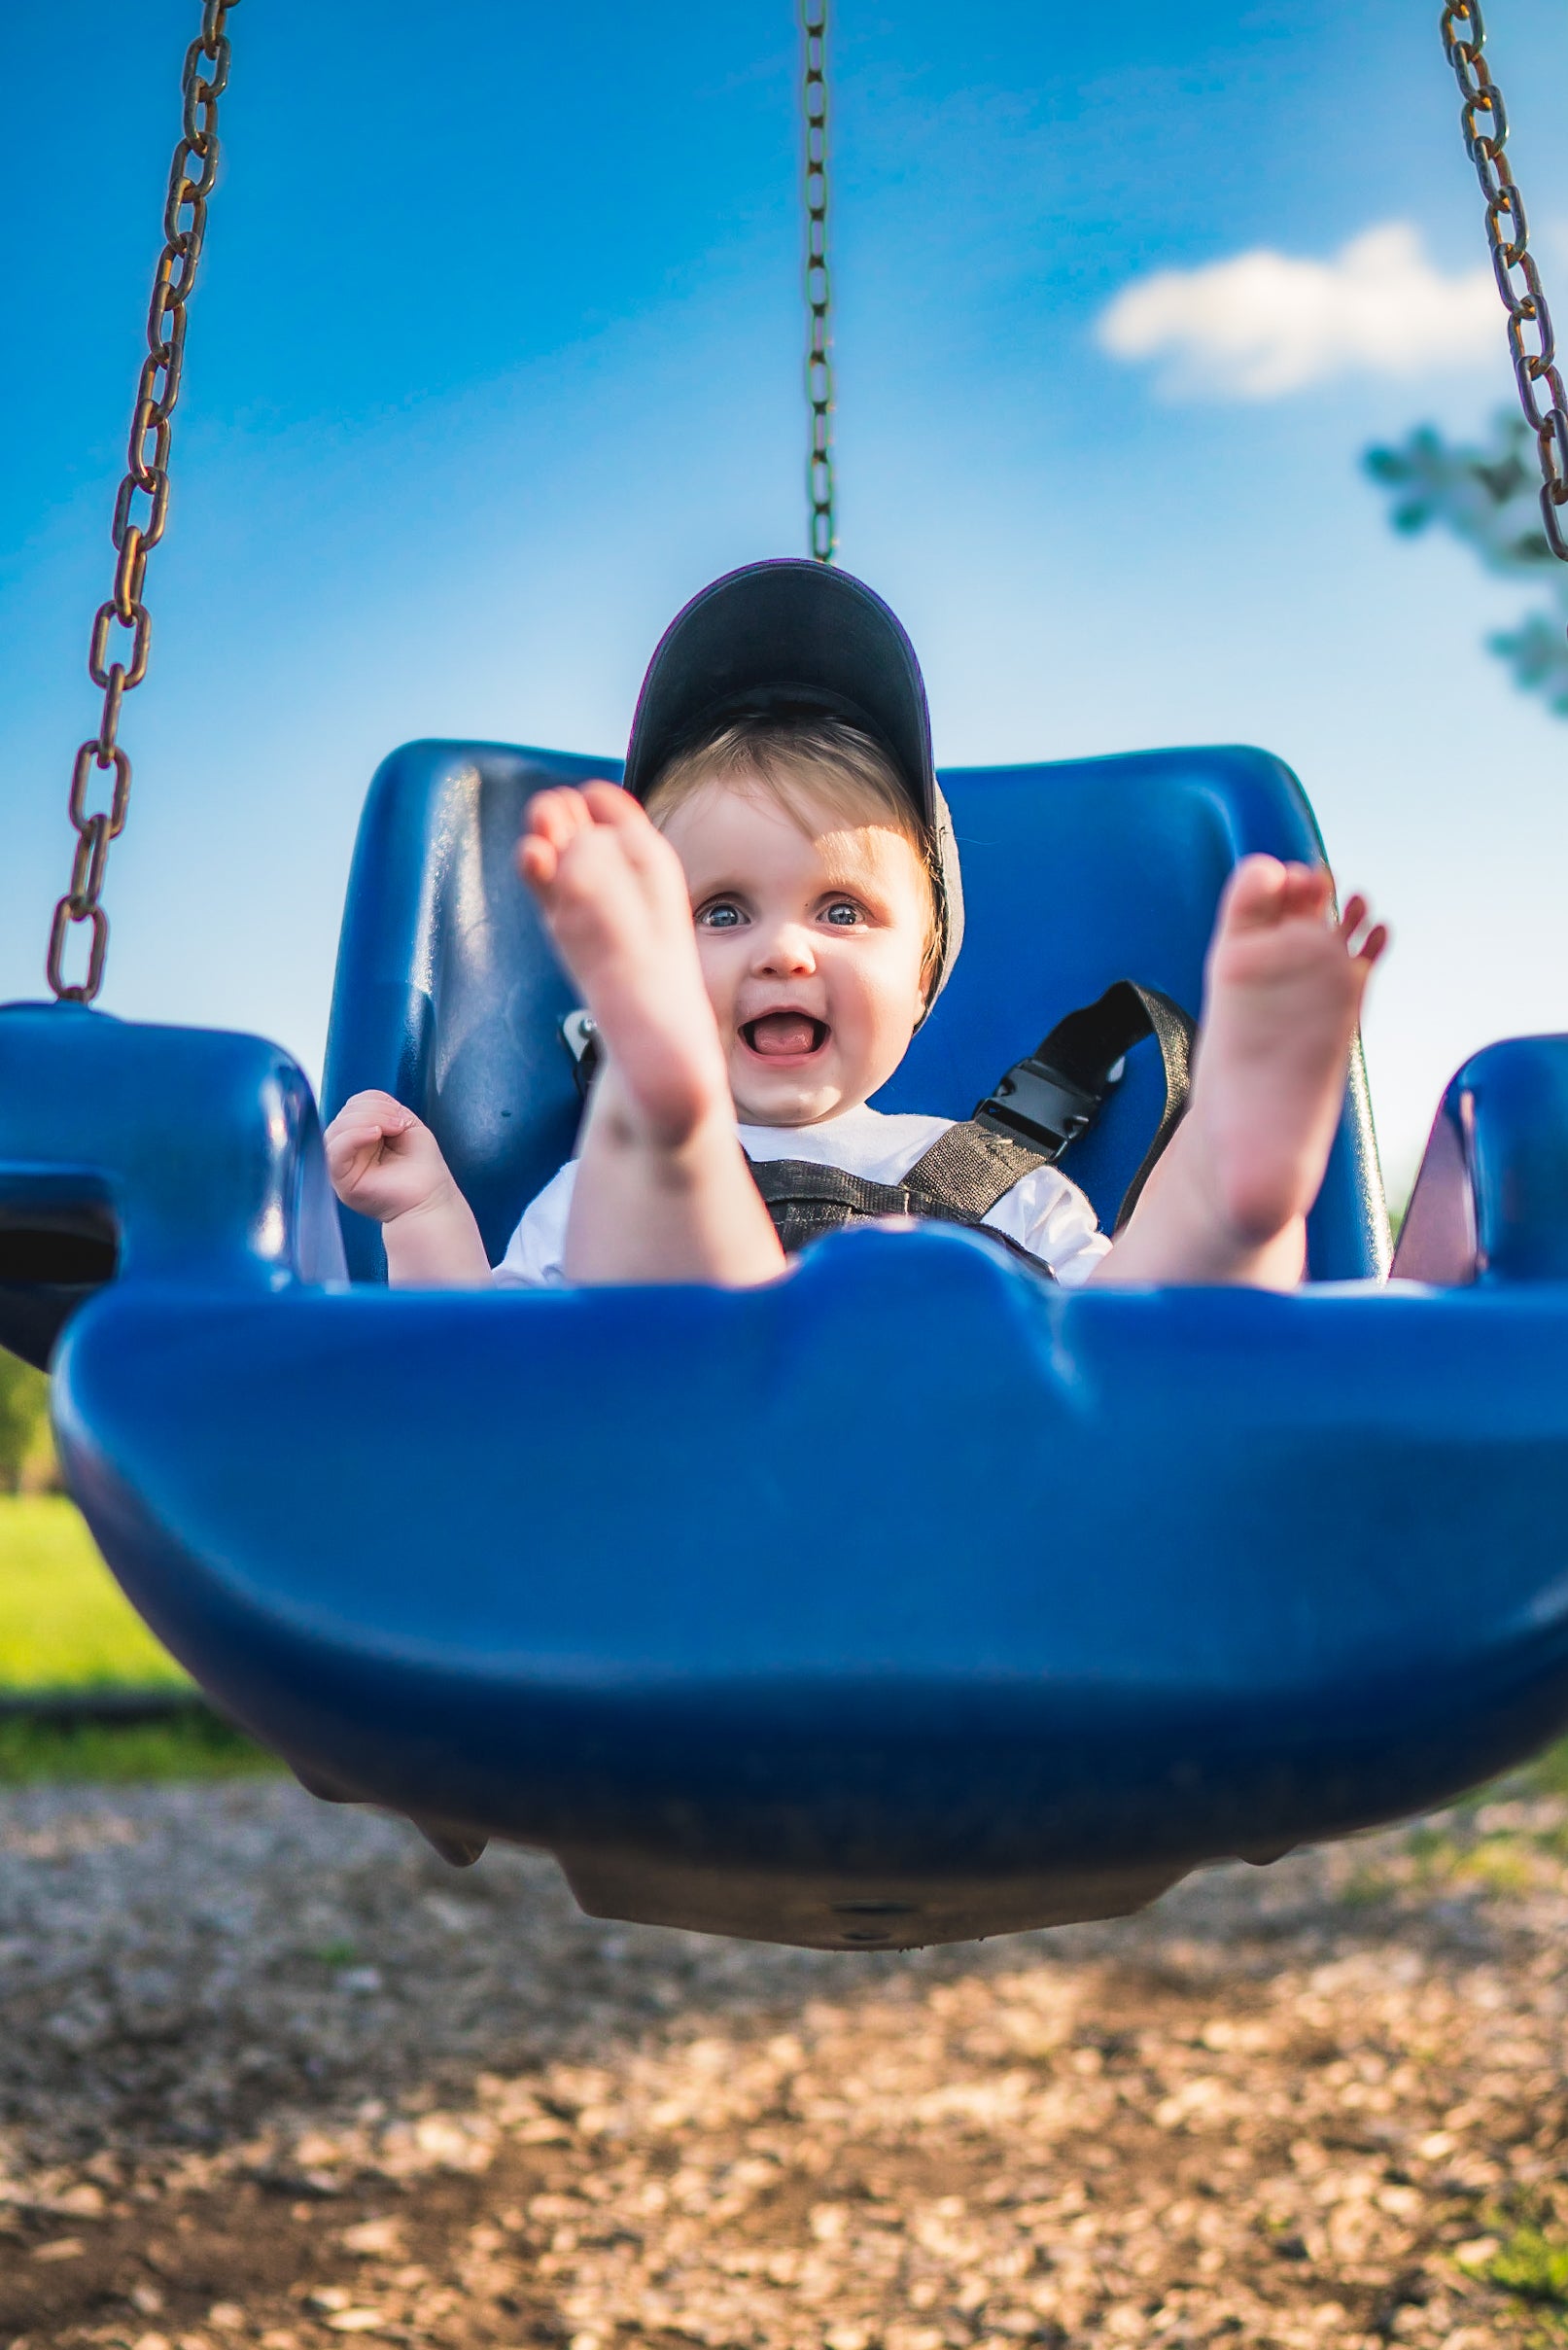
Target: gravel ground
270	2074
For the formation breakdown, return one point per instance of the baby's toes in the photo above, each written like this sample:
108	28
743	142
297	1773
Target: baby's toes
1308	892
596	885
1254	895
557	816
536	861
1358	931
635	834
611	805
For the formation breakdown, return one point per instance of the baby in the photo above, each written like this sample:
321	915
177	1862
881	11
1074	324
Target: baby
758	922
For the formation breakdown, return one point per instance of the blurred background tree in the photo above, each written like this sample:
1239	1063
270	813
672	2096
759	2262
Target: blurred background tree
26	1452
1489	496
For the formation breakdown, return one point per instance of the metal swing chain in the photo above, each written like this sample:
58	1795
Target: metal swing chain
184	225
820	492
1484	119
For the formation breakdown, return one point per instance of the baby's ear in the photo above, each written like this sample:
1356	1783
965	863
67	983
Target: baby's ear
922	1001
930	967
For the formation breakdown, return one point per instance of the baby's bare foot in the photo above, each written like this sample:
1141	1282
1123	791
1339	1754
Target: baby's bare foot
615	901
1282	1001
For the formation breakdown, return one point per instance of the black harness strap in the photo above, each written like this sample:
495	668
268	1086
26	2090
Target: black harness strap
1056	1093
967	1170
806	1199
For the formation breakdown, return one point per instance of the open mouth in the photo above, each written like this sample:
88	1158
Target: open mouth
784	1036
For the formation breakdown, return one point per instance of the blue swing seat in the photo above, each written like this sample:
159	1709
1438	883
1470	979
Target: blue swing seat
918	1599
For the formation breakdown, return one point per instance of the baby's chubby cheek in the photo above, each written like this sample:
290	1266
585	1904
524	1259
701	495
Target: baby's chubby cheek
721	985
871	1027
881	1048
884	1003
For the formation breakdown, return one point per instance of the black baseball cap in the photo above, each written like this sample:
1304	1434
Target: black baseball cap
797	638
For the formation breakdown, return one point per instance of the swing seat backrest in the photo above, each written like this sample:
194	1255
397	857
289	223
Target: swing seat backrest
1076	873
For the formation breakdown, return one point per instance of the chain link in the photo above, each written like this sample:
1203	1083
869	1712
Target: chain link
185	225
1483	119
819	490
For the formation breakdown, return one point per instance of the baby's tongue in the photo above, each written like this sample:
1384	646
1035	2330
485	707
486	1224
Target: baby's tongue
782	1033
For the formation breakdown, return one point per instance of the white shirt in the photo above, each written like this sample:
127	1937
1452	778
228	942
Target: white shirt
1044	1213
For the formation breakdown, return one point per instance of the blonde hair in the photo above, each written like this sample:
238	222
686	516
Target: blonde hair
808	767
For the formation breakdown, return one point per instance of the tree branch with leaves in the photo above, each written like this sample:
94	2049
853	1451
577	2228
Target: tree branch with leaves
1489	498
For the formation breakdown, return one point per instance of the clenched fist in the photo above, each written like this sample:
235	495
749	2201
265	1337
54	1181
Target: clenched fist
385	1163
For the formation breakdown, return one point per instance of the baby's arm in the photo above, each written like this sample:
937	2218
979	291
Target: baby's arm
385	1163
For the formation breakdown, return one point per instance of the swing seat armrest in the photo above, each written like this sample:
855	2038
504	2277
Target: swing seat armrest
132	1151
1491	1202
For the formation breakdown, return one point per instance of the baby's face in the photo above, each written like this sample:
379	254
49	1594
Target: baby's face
811	949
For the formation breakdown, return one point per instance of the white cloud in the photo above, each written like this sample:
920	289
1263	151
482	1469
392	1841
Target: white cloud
1266	323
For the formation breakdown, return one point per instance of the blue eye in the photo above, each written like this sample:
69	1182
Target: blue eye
720	917
843	916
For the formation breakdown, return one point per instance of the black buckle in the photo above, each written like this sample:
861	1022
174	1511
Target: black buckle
1040	1105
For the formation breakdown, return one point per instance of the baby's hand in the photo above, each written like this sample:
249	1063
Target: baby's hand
383	1162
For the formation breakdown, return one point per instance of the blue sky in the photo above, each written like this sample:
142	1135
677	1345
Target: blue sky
496	359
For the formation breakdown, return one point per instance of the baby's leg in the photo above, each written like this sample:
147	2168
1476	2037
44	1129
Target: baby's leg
1228	1200
663	1191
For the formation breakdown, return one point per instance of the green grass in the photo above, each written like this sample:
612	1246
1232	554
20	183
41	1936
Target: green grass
195	1746
65	1624
1531	2264
1548	1775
